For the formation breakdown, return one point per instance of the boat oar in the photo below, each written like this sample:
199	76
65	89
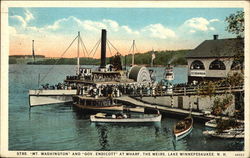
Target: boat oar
174	143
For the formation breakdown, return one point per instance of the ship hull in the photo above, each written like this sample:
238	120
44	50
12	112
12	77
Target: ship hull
126	120
113	108
45	97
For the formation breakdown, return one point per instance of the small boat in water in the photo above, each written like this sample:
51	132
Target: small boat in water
237	132
211	123
123	118
169	76
214	122
183	128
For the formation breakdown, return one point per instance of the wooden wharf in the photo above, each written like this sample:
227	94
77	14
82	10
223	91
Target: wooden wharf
171	111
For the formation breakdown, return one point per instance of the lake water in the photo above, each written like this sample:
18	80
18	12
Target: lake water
62	127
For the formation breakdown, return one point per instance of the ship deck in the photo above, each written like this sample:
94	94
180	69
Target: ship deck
101	82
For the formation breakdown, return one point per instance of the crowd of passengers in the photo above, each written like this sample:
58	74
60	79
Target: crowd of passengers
118	90
59	86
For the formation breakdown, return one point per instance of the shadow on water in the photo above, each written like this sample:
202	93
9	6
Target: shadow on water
50	108
80	114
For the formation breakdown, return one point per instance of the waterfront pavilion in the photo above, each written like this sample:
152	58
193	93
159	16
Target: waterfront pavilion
215	59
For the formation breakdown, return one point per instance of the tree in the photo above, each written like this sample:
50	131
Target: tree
116	61
236	26
236	23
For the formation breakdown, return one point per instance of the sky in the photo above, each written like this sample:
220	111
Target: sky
53	29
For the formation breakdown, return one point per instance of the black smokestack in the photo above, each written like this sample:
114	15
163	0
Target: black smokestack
103	49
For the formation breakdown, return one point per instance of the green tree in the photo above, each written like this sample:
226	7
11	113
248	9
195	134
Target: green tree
12	61
236	26
236	23
116	61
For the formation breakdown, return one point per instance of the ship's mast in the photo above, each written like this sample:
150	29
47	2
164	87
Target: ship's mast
33	51
78	56
133	51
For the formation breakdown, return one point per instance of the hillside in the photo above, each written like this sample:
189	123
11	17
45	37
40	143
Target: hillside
161	58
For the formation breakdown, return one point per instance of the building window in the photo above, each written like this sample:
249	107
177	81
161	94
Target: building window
236	65
197	65
217	65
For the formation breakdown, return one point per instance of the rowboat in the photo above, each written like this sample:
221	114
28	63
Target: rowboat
183	128
214	124
211	123
229	133
104	118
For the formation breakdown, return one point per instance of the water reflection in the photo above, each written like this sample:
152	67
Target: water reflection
121	134
103	137
157	127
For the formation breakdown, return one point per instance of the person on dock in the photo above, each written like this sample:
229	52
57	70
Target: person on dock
148	90
153	91
82	91
78	90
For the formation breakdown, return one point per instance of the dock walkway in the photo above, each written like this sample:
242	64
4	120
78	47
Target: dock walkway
170	110
133	101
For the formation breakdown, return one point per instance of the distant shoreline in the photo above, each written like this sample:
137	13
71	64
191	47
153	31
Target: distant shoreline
161	59
180	66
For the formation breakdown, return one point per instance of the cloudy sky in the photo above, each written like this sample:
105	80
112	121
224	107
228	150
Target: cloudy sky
53	29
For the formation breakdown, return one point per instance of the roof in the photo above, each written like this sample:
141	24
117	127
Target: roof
217	48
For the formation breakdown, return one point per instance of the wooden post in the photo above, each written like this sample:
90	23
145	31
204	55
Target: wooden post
78	55
133	55
172	101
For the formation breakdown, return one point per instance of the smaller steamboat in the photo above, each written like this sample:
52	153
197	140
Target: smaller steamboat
123	118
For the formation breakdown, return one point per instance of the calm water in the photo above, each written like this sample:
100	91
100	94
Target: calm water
61	127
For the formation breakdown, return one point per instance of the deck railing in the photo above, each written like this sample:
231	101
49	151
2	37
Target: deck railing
186	91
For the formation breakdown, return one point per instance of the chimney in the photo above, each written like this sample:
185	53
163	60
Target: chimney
103	49
216	37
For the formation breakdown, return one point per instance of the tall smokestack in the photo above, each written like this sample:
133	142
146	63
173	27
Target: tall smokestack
103	49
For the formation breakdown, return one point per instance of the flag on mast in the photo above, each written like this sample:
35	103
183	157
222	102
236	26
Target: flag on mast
153	56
